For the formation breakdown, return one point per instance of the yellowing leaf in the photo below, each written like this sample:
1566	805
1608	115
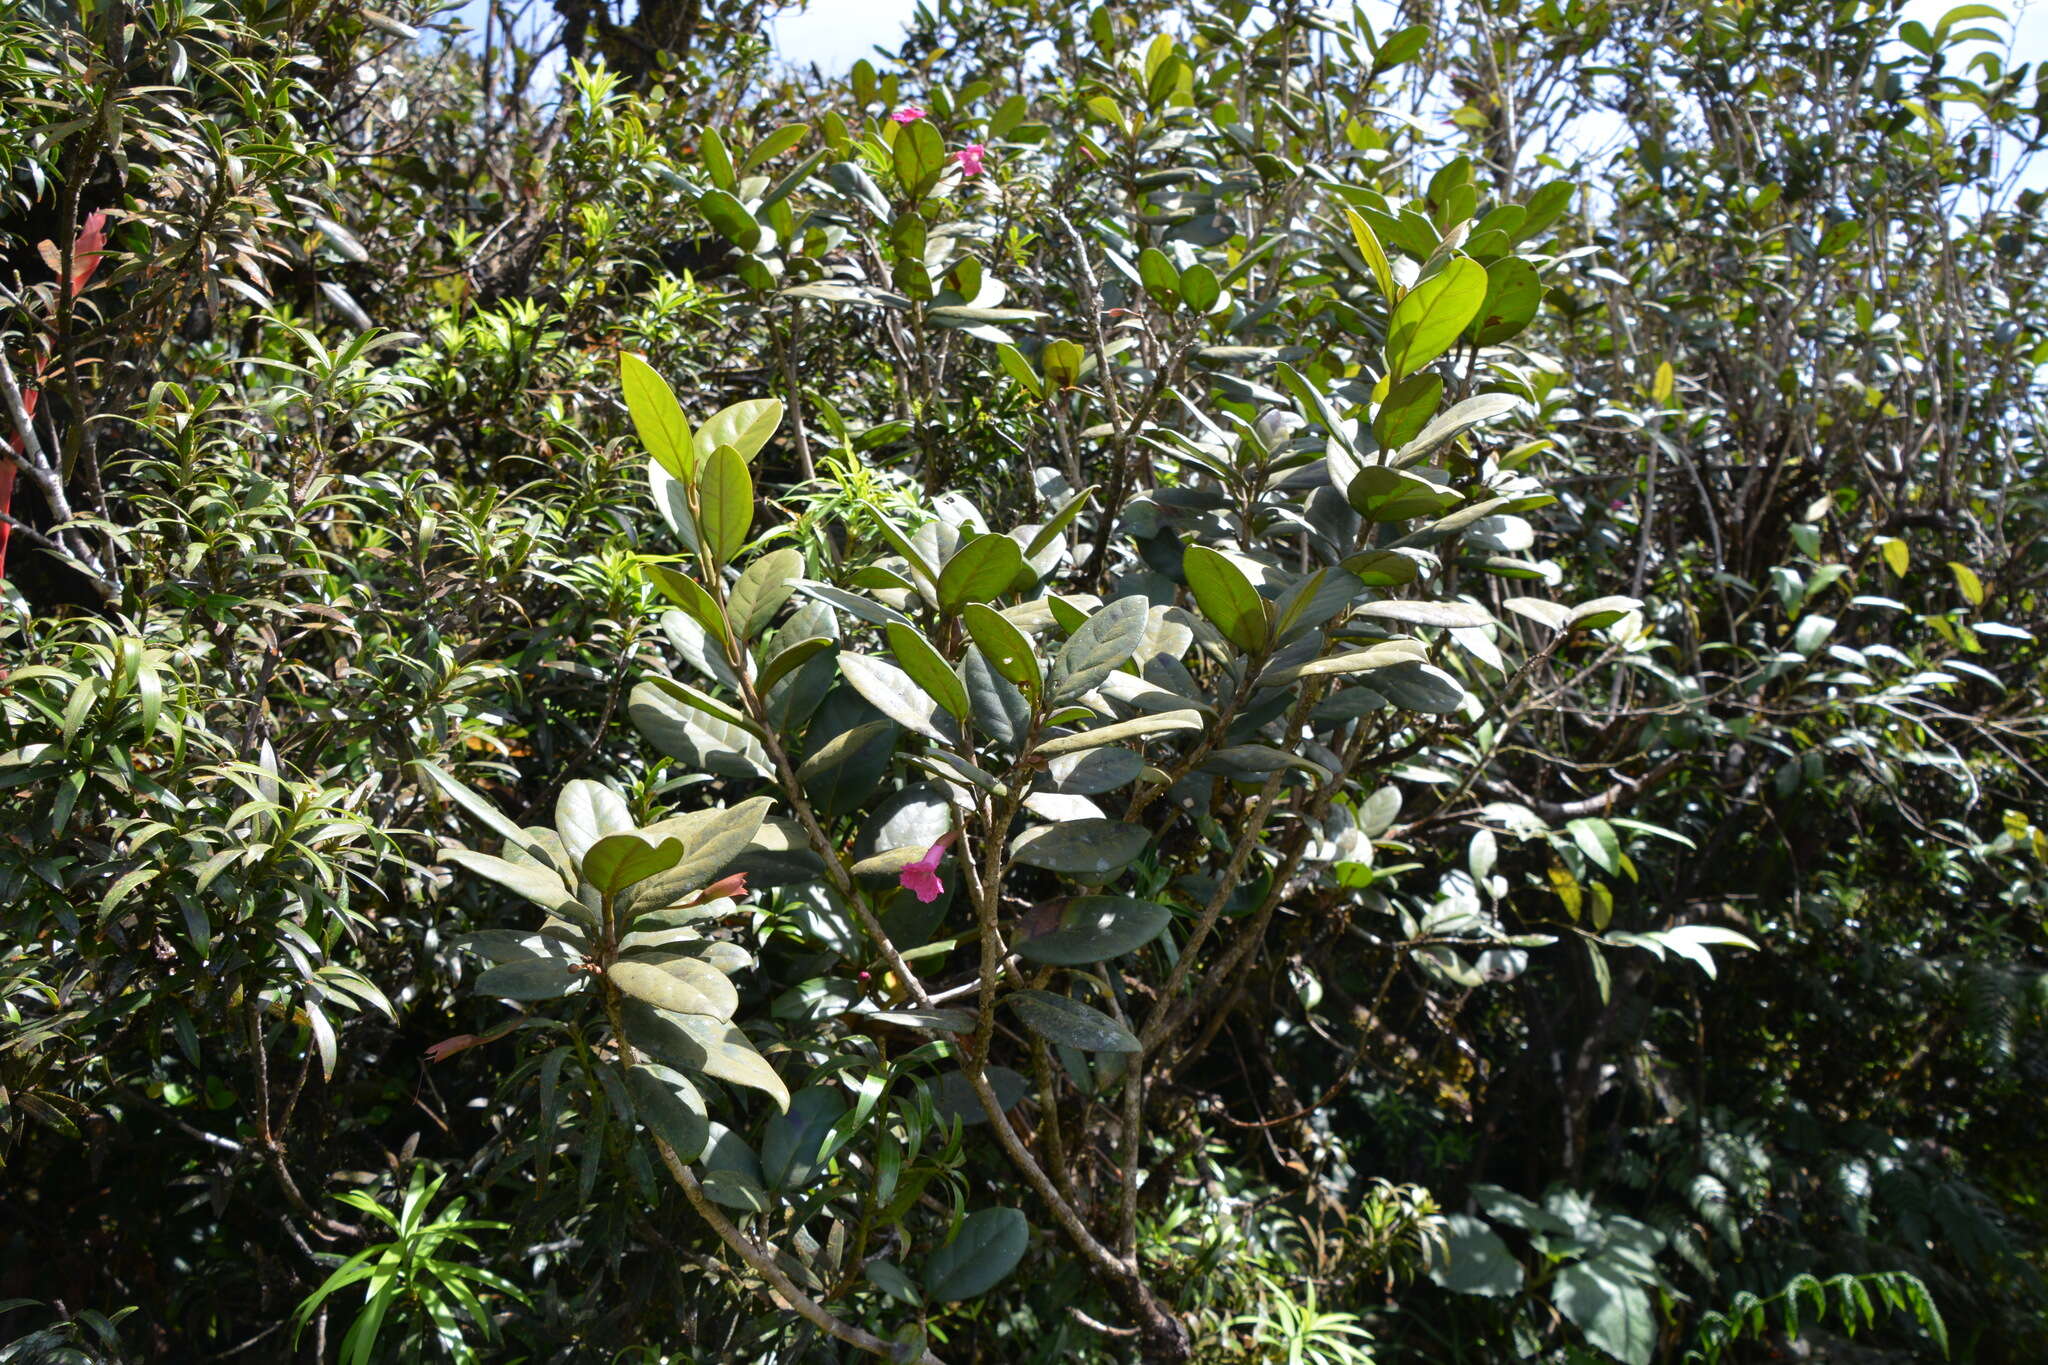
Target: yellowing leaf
1661	386
1967	583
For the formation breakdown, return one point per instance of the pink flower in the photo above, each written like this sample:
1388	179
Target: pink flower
909	113
922	876
970	158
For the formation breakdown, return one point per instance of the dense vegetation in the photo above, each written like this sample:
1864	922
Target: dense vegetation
1179	682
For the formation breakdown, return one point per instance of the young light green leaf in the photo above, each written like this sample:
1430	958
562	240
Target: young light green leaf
979	570
928	668
1007	649
745	426
657	417
618	861
1430	316
725	504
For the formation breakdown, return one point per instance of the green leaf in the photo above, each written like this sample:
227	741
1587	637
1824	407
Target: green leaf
1545	207
617	861
761	591
1199	288
670	1107
1090	849
1060	521
891	691
775	144
979	570
790	658
1185	719
1007	649
745	426
1098	647
1607	1305
687	593
717	160
791	1143
683	986
1019	369
691	1042
657	417
1368	243
587	811
928	668
920	156
537	884
1378	493
1513	293
1095	929
533	978
980	1256
1407	410
1598	841
1159	277
732	1173
482	811
1419	687
1428	319
1478	1262
695	737
730	217
725	504
712	840
1070	1023
1227	597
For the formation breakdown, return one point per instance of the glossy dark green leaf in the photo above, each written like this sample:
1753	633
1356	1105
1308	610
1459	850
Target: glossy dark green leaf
1407	409
1069	1022
730	217
1097	647
1090	849
1382	494
670	1107
541	978
980	1256
1513	293
791	1142
1094	929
